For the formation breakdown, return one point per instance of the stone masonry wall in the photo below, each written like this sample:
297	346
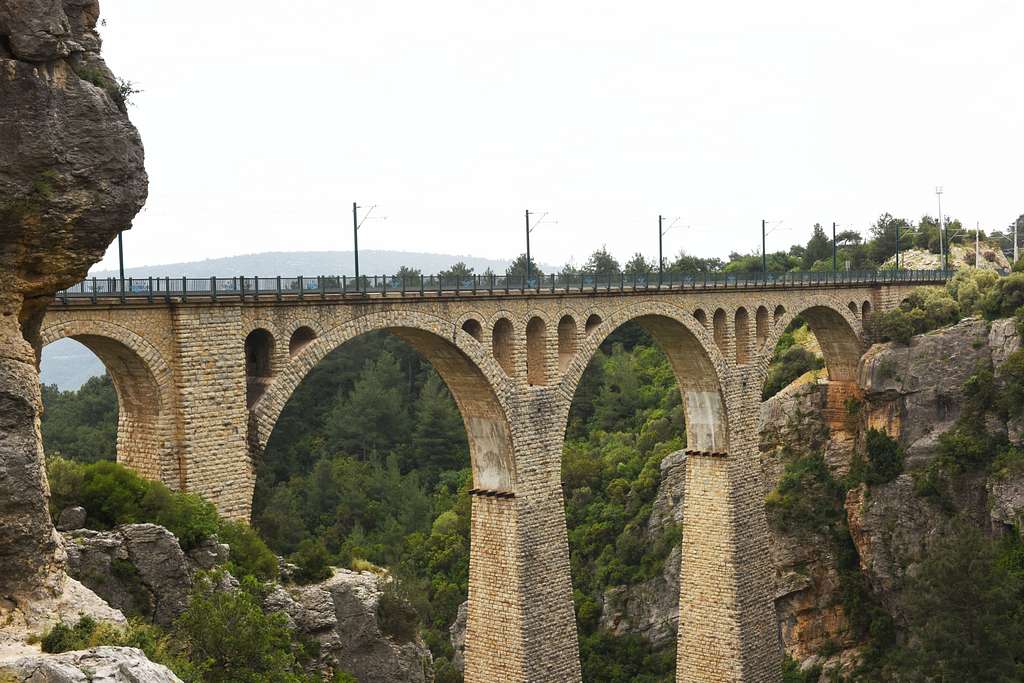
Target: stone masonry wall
494	627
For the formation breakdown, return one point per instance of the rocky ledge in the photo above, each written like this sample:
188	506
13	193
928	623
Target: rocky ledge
97	665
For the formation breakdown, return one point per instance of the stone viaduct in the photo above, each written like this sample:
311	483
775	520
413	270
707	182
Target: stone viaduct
201	382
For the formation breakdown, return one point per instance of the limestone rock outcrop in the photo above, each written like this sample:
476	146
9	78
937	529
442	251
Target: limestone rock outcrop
139	569
71	177
97	665
344	615
916	391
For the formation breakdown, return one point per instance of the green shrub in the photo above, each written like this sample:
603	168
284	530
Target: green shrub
1011	377
794	362
806	498
249	556
396	615
895	325
231	639
87	633
967	447
112	494
1009	462
885	458
313	561
1004	298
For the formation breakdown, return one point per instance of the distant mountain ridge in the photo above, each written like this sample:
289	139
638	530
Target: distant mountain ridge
310	263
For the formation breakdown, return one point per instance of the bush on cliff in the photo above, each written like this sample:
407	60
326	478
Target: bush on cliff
112	494
223	637
885	458
926	309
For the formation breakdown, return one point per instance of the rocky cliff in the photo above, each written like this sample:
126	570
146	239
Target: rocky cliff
913	392
141	570
71	177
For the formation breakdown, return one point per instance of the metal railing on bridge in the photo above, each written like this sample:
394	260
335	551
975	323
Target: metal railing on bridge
243	287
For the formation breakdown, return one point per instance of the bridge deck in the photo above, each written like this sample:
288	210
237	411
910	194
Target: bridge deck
241	288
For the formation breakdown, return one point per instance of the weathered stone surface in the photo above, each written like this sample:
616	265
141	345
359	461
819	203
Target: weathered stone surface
1006	500
650	608
341	613
39	611
97	665
667	509
71	176
457	633
916	391
137	568
208	554
71	518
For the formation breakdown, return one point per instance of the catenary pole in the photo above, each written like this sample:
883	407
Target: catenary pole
527	246
120	258
660	235
355	238
834	257
764	241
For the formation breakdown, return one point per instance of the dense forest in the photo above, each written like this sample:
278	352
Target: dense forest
368	464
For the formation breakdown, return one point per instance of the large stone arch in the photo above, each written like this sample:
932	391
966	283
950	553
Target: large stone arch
478	385
144	384
697	361
837	329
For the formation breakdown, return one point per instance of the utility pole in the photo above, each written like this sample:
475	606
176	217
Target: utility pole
897	246
834	266
527	245
942	247
120	258
355	238
1016	255
660	235
764	242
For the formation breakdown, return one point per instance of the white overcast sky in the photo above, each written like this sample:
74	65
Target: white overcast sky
263	121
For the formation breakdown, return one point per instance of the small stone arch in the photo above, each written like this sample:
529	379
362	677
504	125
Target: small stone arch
473	328
741	326
701	317
302	337
144	385
838	333
567	334
259	364
853	307
502	345
536	351
762	328
865	310
780	311
593	321
720	333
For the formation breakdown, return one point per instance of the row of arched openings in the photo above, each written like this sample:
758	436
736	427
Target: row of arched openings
741	329
503	344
